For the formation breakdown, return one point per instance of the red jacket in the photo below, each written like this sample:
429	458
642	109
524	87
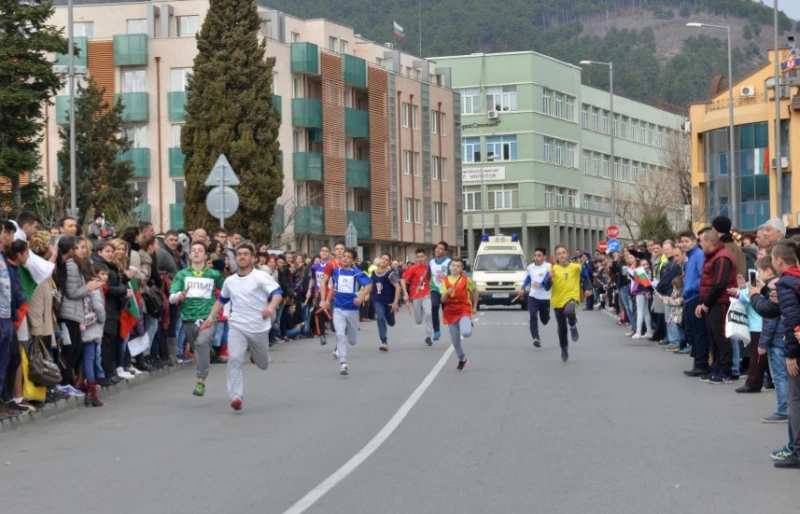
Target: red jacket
719	274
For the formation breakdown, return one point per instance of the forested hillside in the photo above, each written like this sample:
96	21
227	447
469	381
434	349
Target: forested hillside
655	55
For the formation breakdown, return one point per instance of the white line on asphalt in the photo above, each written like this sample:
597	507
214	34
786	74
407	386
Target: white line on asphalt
340	474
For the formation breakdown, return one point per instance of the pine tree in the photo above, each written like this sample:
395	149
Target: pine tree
101	179
230	111
27	81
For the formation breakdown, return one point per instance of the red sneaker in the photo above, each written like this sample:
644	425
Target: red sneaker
224	352
236	404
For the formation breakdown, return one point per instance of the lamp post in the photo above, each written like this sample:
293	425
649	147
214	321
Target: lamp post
778	168
490	158
610	132
732	160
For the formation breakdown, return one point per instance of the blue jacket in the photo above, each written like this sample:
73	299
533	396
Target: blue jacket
692	272
754	321
789	301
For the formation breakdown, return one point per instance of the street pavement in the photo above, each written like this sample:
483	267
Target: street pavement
617	429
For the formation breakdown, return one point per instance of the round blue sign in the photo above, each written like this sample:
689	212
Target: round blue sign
614	245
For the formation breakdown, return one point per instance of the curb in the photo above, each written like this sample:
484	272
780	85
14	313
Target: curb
51	410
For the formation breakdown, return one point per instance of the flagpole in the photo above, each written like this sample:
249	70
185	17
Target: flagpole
419	15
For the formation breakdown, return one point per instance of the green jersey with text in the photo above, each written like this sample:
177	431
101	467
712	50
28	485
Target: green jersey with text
199	288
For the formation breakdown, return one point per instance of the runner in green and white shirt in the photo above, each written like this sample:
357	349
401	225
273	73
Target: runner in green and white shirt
193	289
439	269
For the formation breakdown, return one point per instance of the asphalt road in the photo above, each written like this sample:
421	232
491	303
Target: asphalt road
617	429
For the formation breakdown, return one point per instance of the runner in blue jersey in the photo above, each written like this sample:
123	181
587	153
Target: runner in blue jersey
385	297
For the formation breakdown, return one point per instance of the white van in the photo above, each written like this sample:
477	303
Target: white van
499	270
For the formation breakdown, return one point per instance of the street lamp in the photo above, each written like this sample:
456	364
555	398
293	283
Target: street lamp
611	133
490	158
732	160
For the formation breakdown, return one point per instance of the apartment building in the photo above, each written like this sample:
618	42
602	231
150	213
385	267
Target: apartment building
540	140
369	134
752	166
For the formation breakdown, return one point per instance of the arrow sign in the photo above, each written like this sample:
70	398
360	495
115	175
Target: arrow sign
613	245
351	236
222	174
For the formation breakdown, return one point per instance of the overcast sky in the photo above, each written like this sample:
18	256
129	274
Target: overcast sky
790	7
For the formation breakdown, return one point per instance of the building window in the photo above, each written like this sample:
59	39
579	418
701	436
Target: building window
615	125
559	197
503	148
296	141
572	161
501	98
546	95
635	171
442	124
137	135
626	171
83	29
406	162
417	211
559	105
606	166
407	210
443	169
137	26
470	101
595	165
605	122
651	134
342	46
133	81
406	114
585	116
595	120
472	198
572	198
415	117
295	37
548	148
616	169
436	212
140	186
548	196
471	149
503	197
444	214
435	168
179	78
332	44
559	152
180	185
176	130
188	25
624	132
586	167
434	121
570	108
416	164
587	202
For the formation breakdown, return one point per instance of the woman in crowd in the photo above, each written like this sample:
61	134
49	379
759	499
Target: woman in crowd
642	294
91	332
116	292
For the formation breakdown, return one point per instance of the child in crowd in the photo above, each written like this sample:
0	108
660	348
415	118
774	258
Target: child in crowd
642	293
460	299
675	301
94	318
291	324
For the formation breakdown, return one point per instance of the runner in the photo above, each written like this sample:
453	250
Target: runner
417	278
460	298
566	294
439	269
347	304
193	291
385	299
254	298
317	275
539	296
325	292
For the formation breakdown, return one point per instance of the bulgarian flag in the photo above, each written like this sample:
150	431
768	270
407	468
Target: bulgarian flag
28	286
640	276
398	31
761	161
130	316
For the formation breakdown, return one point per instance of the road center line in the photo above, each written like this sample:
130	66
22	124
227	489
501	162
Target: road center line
340	474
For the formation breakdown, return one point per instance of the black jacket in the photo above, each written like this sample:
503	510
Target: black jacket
789	302
116	293
668	273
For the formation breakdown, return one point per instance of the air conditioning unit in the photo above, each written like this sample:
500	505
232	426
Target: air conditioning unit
687	127
493	115
748	91
784	163
389	45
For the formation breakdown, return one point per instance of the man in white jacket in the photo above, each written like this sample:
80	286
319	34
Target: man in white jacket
539	296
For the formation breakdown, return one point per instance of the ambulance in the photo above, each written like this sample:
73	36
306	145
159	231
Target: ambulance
499	270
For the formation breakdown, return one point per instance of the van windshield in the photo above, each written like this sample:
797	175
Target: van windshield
499	262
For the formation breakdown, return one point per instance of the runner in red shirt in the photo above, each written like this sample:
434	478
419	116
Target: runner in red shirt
417	279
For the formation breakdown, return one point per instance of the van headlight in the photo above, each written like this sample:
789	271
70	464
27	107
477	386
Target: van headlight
480	284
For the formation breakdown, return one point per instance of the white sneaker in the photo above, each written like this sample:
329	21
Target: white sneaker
135	371
343	370
336	354
648	335
124	374
630	334
637	336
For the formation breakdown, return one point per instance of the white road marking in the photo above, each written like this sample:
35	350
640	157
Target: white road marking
340	474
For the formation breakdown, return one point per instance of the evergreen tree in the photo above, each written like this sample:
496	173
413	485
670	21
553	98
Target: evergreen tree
101	178
230	111
27	81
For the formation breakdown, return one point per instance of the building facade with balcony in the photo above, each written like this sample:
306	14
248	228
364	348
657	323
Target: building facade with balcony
368	134
755	173
541	141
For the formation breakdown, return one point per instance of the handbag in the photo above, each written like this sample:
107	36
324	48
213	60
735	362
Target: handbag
42	370
736	325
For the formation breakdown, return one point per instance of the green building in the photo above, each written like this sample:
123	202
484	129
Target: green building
541	142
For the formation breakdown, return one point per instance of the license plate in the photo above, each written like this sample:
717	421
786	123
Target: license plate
501	295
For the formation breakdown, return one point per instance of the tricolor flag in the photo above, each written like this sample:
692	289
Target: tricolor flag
130	316
398	31
761	161
640	276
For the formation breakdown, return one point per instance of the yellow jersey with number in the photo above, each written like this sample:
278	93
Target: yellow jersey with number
566	284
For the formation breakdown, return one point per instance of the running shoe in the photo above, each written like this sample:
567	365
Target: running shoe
199	389
719	379
781	454
684	351
322	341
428	341
707	378
336	353
236	404
564	354
69	390
775	418
343	370
437	335
384	347
630	334
462	364
573	331
537	343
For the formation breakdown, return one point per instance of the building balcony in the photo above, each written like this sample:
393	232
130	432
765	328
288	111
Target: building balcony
176	158
143	211
309	220
306	112
277	104
362	222
175	216
176	106
130	50
62	110
305	58
357	174
137	106
355	71
356	123
81	57
307	166
140	158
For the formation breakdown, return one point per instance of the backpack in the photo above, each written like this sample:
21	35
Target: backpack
153	302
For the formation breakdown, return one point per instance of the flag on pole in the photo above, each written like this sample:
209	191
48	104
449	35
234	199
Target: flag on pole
761	161
130	316
640	276
398	31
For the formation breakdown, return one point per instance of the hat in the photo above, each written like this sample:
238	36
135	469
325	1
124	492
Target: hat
98	214
722	224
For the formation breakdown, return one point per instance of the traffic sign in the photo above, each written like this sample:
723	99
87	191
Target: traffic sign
222	174
602	246
351	236
613	245
612	232
222	202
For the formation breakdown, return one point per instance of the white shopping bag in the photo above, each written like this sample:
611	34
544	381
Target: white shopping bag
138	345
736	326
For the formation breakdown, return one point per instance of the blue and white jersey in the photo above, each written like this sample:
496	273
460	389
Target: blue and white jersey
346	282
538	274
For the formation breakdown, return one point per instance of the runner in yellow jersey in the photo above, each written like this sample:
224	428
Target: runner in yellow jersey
566	295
